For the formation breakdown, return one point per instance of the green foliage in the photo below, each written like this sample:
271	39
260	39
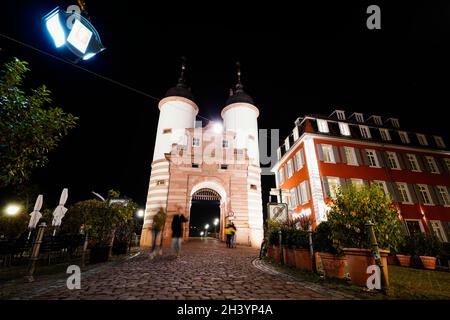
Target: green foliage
322	238
28	129
300	239
426	245
356	205
102	220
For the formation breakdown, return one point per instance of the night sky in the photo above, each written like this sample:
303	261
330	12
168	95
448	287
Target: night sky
295	61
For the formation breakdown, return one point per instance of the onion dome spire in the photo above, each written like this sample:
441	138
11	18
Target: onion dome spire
181	89
239	94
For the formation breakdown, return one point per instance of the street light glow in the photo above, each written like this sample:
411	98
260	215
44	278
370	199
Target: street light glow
218	128
216	221
202	233
12	209
207	226
55	29
140	213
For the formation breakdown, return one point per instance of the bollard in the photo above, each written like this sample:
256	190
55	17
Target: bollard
280	241
375	252
35	252
85	245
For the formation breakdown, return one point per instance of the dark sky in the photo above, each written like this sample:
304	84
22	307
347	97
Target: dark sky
295	60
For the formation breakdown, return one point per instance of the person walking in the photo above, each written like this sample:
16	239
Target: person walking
233	235
158	227
229	234
177	231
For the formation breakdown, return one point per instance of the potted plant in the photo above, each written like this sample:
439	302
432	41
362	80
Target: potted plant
333	262
405	250
273	227
428	248
352	208
302	253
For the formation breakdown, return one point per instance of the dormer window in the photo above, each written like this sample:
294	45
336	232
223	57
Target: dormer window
439	141
385	134
323	126
395	123
422	139
340	114
377	120
359	117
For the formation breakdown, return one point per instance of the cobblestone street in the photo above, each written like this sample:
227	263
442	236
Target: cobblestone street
205	270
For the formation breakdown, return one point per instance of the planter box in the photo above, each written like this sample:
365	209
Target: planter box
333	265
358	261
99	254
404	260
428	262
392	260
303	259
277	254
270	252
288	257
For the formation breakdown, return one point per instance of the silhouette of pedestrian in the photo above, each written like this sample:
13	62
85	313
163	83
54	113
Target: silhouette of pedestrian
177	231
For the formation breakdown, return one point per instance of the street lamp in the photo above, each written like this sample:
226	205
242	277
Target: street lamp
140	213
216	223
73	31
12	209
201	233
206	229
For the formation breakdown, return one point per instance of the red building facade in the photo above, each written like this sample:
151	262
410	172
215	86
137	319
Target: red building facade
323	153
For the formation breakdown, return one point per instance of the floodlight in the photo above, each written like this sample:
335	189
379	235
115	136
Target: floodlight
54	27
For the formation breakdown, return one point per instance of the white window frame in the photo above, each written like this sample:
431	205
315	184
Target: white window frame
395	122
377	120
422	139
340	114
351	151
422	229
443	194
406	189
404	137
298	160
333	189
357	182
375	158
441	229
194	139
289	169
328	149
344	129
294	198
392	156
439	141
281	176
359	117
427	191
416	163
385	134
303	193
322	126
365	132
447	163
431	164
383	185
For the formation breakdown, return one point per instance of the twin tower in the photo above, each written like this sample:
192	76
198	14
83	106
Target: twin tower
219	162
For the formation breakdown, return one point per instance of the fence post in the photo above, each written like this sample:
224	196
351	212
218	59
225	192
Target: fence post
375	252
35	252
280	241
311	249
85	245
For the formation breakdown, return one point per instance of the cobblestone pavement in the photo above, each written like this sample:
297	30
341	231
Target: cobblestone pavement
205	270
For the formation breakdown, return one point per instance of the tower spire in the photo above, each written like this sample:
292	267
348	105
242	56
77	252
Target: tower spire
239	86
182	80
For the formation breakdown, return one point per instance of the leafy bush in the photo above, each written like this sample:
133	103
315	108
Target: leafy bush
322	241
427	245
356	205
300	239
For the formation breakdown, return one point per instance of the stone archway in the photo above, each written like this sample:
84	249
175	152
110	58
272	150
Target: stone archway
210	190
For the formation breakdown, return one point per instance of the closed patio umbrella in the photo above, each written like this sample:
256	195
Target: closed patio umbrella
60	210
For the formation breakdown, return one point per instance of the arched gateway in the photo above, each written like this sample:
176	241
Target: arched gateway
218	161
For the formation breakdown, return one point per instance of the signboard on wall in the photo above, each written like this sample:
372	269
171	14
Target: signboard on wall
277	211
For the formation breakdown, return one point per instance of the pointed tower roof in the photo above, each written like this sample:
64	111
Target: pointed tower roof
239	94
181	89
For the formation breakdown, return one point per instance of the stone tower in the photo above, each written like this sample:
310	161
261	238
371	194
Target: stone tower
218	161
